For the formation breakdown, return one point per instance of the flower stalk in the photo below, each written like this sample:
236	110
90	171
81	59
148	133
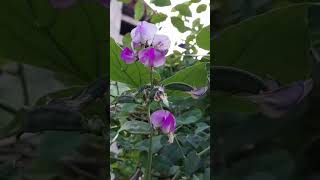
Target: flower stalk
149	166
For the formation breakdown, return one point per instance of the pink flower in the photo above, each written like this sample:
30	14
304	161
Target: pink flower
128	56
151	57
165	120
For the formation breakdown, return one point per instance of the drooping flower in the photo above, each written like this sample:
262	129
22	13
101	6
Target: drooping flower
151	57
196	93
278	102
161	43
128	56
165	120
143	33
60	4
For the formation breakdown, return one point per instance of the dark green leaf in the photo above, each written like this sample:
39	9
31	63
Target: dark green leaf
201	8
56	46
136	127
192	162
266	41
189	117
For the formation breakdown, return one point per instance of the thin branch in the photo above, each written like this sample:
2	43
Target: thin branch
8	108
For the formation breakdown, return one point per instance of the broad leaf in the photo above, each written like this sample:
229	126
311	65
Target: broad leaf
133	74
268	44
195	76
71	41
203	38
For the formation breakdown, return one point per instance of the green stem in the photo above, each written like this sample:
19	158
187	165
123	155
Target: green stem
204	151
148	171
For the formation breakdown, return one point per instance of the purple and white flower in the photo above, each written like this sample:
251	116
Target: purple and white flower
151	48
196	93
144	33
151	57
164	120
128	56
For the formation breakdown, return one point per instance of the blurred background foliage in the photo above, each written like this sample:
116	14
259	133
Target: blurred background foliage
272	39
52	85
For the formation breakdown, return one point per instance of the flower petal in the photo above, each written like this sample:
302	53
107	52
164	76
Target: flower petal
150	57
144	33
161	43
198	92
60	4
127	55
169	124
157	117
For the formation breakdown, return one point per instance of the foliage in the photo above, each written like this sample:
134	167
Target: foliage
264	45
52	93
188	155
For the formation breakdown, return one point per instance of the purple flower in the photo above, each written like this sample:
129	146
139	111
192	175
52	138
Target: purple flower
151	57
165	120
161	43
60	4
128	56
278	102
144	33
196	93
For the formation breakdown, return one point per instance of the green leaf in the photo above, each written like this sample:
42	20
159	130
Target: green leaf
183	9
126	40
203	38
161	3
201	8
179	24
196	23
136	127
192	162
156	144
190	117
159	17
72	42
133	74
186	76
268	44
139	10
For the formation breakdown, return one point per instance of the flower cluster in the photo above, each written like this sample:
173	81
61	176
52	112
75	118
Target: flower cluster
147	46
